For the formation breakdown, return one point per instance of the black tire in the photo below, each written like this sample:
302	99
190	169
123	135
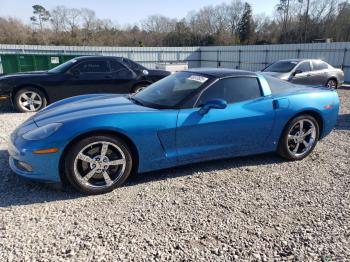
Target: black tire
139	88
332	83
71	163
285	142
19	102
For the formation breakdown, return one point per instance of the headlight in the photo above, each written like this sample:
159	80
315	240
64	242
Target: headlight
42	132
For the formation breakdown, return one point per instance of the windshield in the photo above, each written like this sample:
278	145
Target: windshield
170	91
281	67
63	67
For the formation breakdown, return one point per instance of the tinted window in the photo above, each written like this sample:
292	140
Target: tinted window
277	85
63	67
93	67
232	90
133	65
116	66
319	65
304	67
281	67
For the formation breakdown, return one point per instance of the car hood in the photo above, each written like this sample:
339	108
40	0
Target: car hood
24	74
87	106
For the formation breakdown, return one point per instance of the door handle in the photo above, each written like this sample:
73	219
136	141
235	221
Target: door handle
308	75
108	77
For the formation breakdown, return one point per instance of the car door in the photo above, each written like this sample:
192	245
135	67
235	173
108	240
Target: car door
87	77
302	74
241	128
320	71
123	78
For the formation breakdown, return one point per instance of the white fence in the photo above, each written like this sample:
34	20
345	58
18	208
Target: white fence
254	57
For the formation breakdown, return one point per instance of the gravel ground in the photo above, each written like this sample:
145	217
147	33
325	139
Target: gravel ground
258	208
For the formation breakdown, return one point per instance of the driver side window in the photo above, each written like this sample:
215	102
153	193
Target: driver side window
304	67
233	90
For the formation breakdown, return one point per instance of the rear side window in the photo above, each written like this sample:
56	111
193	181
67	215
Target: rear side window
319	65
232	90
116	66
277	85
93	67
304	67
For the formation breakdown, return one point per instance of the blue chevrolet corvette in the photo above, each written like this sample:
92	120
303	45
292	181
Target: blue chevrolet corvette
95	141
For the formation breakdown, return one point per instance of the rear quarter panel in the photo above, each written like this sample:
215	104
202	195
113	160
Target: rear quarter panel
303	102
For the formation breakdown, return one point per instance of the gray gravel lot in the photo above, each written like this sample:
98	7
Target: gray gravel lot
253	208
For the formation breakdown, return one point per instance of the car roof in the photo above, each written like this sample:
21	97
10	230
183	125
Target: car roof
299	60
221	72
96	57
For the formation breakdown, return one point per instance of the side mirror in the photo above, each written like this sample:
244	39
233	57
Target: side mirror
296	72
214	103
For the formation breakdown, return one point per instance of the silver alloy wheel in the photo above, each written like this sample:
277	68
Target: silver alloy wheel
301	138
139	89
30	101
332	84
99	164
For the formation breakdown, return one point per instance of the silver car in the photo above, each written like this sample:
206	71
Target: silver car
306	72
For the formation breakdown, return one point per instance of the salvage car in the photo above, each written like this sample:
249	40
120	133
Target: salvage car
95	141
32	91
306	72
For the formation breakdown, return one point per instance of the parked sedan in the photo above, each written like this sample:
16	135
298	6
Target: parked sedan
306	72
95	141
30	92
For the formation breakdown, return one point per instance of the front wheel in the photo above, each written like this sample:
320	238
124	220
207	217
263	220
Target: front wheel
332	83
98	164
299	138
29	100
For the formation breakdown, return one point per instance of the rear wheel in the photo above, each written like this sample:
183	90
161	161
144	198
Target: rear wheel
138	88
332	83
98	164
29	100
299	138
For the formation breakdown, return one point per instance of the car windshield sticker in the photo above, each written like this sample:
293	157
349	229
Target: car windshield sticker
197	78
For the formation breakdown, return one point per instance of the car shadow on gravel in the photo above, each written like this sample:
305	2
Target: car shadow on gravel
343	122
241	163
15	191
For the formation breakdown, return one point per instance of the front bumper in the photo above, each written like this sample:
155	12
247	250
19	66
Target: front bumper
44	168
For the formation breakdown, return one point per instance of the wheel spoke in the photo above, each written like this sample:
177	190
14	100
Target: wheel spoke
296	148
32	107
25	103
309	132
89	175
107	178
86	158
104	150
291	137
116	162
24	96
306	144
37	102
301	125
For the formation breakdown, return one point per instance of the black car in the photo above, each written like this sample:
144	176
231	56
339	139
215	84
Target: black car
31	91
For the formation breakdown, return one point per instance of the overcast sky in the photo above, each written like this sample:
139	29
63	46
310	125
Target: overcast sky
124	11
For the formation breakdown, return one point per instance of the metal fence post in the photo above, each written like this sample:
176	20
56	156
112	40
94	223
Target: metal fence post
298	56
344	57
239	58
266	57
